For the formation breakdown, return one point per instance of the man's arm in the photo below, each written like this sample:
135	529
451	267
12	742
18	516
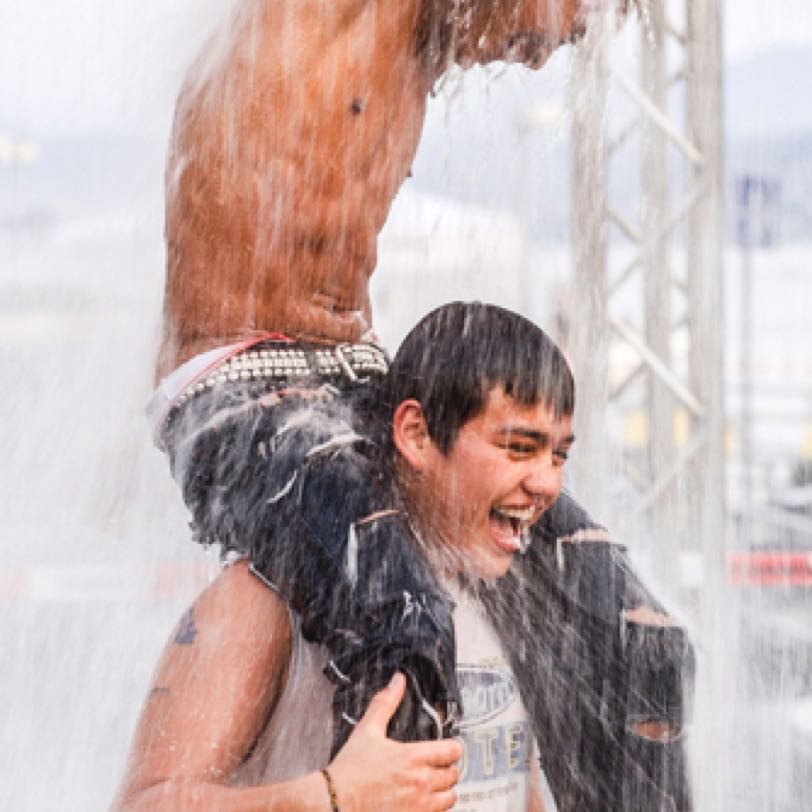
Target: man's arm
215	687
216	682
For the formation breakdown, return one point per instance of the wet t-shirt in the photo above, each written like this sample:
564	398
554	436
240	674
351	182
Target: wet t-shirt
297	738
498	745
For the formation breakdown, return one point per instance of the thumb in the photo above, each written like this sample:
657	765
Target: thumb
383	705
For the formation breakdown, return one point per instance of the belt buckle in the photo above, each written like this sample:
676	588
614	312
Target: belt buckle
346	365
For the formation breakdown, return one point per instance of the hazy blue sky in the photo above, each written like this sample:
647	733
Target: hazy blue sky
755	25
94	64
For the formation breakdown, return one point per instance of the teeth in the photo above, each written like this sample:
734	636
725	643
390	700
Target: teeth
520	520
523	515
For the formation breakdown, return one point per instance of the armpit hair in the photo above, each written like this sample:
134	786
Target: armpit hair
434	32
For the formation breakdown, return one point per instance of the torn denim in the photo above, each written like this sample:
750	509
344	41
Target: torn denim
289	477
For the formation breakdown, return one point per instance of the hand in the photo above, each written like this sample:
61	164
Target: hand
372	773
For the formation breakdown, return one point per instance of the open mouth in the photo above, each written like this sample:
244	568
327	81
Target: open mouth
510	527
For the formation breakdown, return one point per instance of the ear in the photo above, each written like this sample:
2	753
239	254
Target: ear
410	434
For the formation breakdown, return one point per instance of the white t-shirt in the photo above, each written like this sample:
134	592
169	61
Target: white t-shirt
498	744
298	736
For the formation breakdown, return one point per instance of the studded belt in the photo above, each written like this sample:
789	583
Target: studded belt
297	364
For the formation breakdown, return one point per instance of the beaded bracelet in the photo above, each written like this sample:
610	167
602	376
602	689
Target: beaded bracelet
331	789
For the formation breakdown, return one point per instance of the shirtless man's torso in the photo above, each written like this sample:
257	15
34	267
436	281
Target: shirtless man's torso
290	144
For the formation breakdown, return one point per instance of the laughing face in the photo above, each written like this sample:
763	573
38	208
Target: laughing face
503	471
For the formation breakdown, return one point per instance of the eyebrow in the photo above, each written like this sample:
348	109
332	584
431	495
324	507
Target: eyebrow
532	434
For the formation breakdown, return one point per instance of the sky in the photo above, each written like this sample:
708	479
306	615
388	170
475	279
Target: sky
89	65
752	26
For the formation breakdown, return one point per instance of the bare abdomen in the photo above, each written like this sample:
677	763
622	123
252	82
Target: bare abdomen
277	190
240	271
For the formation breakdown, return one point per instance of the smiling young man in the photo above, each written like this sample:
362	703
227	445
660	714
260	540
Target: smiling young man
483	477
488	506
481	428
562	646
239	714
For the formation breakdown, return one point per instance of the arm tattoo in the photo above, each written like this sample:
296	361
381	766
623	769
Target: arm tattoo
187	631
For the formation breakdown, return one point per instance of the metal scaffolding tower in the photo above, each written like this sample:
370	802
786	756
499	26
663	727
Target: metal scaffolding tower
646	337
662	306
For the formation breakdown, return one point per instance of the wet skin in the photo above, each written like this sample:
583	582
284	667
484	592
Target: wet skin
291	139
503	471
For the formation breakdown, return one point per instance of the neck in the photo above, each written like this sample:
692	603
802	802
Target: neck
441	556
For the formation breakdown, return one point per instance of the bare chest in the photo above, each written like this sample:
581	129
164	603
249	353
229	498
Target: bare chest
356	132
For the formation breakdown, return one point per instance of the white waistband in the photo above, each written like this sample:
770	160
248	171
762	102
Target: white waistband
188	373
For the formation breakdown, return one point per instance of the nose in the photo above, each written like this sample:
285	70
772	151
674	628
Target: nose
544	479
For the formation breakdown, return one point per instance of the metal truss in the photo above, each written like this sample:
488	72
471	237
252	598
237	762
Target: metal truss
655	300
671	270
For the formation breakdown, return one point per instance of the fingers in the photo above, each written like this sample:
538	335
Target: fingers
438	753
442	801
443	779
384	704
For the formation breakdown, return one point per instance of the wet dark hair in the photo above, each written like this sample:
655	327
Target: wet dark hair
459	352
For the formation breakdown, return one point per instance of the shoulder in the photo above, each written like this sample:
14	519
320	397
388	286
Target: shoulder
219	678
238	632
240	608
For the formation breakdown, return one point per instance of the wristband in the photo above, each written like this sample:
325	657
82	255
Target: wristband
331	789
